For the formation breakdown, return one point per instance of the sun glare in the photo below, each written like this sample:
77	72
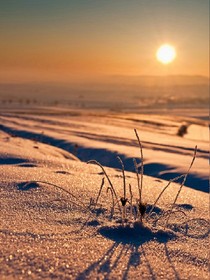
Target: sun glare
166	54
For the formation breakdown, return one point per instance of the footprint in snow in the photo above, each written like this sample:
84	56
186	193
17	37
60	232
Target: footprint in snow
24	186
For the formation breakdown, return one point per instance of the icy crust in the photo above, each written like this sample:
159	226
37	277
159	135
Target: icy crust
52	228
49	233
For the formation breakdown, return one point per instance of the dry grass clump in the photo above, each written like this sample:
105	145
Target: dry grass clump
182	130
136	208
127	209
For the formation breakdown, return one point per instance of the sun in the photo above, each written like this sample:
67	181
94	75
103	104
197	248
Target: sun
166	54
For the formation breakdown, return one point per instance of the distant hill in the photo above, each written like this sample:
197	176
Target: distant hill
159	80
113	91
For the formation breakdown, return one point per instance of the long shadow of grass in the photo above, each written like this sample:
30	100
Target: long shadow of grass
131	242
126	240
136	235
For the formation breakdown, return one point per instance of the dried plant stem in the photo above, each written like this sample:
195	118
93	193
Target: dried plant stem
99	193
123	173
142	164
182	184
123	214
137	175
110	183
138	214
113	204
161	193
169	212
131	201
58	187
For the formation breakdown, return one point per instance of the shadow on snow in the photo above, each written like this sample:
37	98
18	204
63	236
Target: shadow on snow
107	158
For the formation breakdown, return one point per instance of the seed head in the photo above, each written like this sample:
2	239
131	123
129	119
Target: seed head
123	201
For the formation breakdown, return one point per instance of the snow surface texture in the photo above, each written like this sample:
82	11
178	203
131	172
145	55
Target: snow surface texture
49	228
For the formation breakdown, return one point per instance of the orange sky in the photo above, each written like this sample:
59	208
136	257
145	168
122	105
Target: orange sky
66	40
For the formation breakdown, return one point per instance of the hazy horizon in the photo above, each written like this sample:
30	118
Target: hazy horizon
114	78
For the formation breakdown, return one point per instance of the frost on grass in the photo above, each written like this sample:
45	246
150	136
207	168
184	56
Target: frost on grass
132	215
